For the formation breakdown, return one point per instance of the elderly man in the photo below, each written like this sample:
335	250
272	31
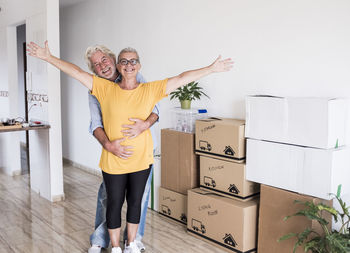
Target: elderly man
102	62
126	178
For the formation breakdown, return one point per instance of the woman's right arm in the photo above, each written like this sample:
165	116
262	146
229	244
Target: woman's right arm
67	67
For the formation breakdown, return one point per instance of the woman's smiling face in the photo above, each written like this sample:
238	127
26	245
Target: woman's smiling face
128	64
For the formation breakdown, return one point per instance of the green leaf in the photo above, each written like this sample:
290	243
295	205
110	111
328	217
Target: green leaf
287	236
303	235
314	244
339	186
311	216
338	243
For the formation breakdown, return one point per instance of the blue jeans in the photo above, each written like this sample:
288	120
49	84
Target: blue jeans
100	236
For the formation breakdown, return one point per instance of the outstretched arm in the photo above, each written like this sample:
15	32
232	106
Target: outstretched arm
192	75
68	68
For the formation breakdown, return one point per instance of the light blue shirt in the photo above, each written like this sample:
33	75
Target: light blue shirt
96	115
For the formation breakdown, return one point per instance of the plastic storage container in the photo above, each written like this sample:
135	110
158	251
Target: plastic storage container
184	120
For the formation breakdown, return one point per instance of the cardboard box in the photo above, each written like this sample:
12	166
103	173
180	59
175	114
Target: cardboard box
311	122
226	178
227	223
179	163
275	204
221	137
173	205
310	171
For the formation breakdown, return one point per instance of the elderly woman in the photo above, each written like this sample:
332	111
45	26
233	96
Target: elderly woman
118	103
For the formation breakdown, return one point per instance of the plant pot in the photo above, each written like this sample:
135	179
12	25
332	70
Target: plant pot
185	104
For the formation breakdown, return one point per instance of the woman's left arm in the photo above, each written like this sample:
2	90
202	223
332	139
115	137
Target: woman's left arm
192	75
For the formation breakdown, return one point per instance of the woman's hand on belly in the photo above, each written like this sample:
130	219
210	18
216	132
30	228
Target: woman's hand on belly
119	150
133	130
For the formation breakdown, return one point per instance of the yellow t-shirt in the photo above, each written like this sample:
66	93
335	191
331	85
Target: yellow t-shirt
117	106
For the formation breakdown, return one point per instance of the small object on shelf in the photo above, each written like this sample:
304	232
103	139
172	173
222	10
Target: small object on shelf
184	120
34	123
4	120
11	122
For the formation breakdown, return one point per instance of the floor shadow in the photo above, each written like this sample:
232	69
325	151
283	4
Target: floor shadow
24	161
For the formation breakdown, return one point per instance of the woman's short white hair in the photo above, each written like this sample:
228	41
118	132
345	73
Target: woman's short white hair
128	50
91	50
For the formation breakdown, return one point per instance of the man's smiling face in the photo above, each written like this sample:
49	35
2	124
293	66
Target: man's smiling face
104	65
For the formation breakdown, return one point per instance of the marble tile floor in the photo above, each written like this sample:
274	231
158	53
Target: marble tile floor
31	224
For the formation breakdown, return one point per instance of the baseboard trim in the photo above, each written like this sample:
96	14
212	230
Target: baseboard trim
58	198
16	173
82	167
4	171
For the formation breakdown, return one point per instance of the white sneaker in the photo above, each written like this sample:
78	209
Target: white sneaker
140	245
116	250
95	249
132	248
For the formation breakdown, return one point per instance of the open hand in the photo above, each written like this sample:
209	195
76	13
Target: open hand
119	150
221	65
35	50
134	129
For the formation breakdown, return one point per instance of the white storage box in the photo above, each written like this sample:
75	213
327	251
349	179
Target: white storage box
311	122
310	171
184	120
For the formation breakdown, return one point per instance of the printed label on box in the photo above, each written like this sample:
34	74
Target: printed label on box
226	178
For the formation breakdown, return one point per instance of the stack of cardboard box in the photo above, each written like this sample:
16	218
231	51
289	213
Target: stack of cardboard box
221	146
297	145
223	211
179	173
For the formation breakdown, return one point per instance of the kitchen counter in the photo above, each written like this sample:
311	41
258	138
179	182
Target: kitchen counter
14	128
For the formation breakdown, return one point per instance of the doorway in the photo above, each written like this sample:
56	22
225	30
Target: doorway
22	95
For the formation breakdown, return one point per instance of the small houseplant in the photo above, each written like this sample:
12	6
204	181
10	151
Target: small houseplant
331	241
187	93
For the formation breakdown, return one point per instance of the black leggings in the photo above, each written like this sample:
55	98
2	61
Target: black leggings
133	184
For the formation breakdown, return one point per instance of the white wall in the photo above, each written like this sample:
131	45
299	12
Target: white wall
4	100
280	47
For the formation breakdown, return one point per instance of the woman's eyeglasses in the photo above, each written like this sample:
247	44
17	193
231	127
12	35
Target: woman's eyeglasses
125	62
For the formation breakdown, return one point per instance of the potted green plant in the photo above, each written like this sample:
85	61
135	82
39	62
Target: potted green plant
187	93
331	241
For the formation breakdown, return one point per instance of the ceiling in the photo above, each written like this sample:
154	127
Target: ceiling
9	10
65	3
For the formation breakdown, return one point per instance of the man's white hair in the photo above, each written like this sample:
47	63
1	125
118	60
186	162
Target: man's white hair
128	50
93	49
